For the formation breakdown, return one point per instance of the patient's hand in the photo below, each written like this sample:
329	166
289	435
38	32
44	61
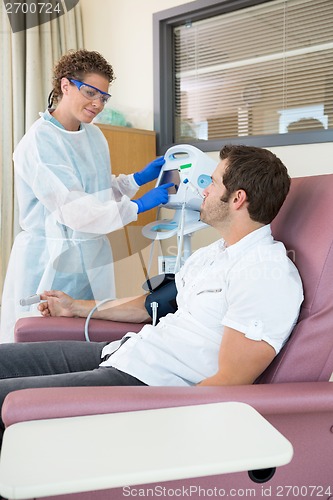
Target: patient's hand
58	304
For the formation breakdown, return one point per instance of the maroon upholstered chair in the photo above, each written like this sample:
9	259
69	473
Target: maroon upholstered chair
38	329
294	393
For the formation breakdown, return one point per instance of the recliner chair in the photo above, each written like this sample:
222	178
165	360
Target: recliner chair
294	393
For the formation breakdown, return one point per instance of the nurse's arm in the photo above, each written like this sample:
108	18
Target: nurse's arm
128	309
241	360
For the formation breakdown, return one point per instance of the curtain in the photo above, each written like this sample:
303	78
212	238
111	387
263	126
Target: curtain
26	64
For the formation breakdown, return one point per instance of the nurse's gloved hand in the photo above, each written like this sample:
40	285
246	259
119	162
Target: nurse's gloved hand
150	172
153	198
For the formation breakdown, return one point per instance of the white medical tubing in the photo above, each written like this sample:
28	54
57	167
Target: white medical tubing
86	325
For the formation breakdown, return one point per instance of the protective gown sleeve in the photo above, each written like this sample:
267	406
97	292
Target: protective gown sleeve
61	172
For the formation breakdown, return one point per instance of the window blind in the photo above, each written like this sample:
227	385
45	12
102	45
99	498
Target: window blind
266	69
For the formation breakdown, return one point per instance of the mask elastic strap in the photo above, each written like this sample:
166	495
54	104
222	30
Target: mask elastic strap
50	100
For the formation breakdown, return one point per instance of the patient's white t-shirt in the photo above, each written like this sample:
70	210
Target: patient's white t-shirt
251	286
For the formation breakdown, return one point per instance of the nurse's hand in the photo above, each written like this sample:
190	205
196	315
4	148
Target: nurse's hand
155	197
150	172
58	304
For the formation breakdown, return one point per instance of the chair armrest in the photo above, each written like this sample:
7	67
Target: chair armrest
37	329
270	399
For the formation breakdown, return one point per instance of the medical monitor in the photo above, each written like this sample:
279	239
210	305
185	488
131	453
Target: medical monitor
186	163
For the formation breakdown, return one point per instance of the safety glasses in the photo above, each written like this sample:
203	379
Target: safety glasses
90	92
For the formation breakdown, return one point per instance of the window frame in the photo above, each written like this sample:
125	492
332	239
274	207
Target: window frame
164	107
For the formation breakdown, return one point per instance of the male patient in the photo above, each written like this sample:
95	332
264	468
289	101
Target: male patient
238	300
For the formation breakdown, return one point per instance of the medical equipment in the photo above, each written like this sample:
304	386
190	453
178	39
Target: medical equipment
33	299
162	294
193	188
190	170
86	325
161	299
186	162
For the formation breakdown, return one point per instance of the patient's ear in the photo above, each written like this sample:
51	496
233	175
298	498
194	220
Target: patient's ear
239	198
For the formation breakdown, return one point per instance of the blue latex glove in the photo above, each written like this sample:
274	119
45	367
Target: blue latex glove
150	172
153	198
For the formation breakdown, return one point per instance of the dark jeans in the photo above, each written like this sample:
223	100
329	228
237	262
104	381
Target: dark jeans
55	364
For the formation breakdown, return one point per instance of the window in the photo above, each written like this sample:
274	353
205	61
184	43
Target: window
252	71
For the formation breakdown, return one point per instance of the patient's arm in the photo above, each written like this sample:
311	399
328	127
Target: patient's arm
241	360
129	309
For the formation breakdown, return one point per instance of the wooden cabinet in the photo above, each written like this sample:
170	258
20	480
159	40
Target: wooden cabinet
130	150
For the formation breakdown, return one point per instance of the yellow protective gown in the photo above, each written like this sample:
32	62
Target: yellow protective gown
68	202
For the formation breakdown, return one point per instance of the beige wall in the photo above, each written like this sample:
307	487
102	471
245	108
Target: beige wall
122	31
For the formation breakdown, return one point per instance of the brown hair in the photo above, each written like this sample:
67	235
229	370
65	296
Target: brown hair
76	64
261	175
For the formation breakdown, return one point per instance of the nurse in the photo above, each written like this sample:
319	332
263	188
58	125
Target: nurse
68	199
